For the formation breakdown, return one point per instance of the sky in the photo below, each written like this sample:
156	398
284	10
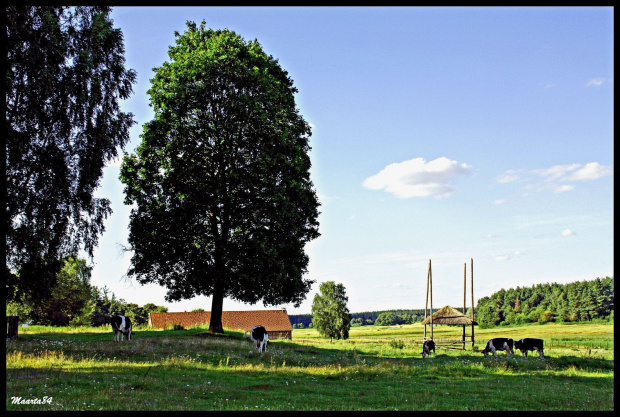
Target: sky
439	135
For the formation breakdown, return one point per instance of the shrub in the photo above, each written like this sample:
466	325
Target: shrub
546	317
397	344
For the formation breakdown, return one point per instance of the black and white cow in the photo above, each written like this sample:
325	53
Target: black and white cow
121	326
259	337
427	347
527	344
499	343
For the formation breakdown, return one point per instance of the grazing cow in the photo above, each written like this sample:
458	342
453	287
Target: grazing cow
426	349
499	343
259	337
121	326
526	344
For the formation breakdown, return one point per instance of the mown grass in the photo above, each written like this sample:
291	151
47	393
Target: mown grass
378	368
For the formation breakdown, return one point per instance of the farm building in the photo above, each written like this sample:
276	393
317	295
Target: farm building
276	322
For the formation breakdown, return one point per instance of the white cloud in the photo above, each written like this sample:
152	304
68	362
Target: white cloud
563	188
555	172
416	178
506	257
325	198
591	171
568	232
508	176
595	82
553	176
493	236
499	201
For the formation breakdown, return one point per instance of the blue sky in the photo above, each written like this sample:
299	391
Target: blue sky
438	133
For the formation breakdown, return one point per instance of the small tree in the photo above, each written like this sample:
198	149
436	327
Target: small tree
68	302
330	315
152	308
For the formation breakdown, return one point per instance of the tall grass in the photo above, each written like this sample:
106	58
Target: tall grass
375	369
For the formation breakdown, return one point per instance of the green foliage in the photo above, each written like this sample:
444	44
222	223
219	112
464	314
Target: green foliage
69	300
223	200
74	302
64	77
152	308
356	322
545	303
388	318
330	314
396	344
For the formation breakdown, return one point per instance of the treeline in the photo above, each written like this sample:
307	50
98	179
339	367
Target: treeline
75	302
542	303
367	318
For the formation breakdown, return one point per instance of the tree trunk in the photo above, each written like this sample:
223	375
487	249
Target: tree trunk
12	326
215	325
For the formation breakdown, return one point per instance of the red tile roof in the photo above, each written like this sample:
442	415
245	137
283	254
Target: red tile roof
271	320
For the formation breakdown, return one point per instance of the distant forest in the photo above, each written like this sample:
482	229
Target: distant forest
540	303
577	301
366	318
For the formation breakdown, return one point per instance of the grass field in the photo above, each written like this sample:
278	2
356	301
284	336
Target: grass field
377	368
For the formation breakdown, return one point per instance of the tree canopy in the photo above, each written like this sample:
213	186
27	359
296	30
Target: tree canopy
223	200
65	74
576	301
330	314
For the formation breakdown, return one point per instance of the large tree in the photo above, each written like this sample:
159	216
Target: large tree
64	77
223	200
330	314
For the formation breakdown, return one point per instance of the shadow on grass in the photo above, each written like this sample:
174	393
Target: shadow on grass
150	345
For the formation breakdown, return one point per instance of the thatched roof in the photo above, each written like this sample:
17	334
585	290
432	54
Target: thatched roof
450	316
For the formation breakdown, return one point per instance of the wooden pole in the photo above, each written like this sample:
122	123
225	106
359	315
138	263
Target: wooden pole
472	288
464	285
430	275
472	301
464	297
426	304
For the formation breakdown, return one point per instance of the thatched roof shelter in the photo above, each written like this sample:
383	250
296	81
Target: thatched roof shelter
450	316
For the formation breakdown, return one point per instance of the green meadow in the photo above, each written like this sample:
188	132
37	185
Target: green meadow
377	368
